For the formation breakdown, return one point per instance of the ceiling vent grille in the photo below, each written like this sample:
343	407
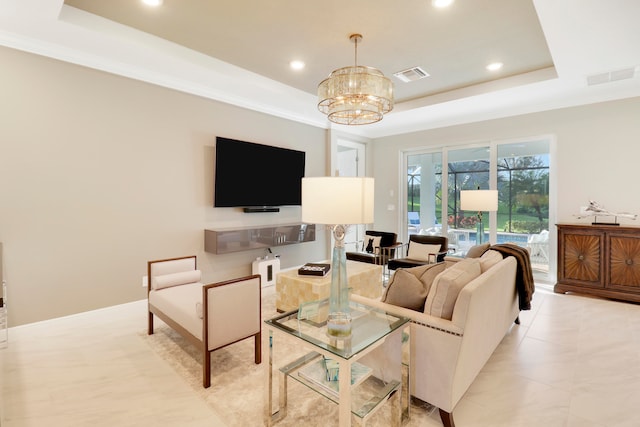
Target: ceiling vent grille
411	74
611	76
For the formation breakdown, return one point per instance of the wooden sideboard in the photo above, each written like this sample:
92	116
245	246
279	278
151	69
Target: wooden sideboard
601	260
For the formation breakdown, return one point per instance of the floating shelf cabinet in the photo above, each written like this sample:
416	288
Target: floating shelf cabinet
244	239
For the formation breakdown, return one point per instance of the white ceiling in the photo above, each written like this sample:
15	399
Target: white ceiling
238	52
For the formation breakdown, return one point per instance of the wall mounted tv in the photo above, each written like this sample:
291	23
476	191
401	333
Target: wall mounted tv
257	177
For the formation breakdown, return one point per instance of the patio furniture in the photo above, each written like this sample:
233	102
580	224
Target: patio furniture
421	250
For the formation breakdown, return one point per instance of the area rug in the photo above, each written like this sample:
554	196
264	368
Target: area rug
238	385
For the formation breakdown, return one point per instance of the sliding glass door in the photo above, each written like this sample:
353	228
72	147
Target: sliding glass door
424	193
467	169
518	170
523	194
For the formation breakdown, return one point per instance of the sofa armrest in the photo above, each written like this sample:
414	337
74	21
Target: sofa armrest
417	317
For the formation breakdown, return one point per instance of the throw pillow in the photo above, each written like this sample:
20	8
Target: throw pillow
489	259
477	250
447	285
405	290
426	273
421	251
175	279
371	243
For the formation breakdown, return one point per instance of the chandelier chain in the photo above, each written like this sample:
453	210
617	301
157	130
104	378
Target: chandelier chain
356	48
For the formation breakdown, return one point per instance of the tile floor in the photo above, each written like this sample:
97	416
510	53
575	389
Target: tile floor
573	362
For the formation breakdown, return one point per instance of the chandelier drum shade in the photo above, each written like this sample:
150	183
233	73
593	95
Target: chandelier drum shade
355	95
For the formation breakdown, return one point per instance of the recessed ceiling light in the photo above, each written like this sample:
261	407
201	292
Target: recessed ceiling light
154	3
494	66
296	65
441	3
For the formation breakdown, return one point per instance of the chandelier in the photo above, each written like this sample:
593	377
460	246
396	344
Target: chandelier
355	95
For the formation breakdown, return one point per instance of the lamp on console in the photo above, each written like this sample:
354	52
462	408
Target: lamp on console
480	201
338	202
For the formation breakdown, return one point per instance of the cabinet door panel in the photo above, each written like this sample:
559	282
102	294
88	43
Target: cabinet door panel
624	263
582	260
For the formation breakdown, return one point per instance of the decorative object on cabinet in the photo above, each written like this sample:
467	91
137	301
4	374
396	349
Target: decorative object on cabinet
594	209
599	260
229	240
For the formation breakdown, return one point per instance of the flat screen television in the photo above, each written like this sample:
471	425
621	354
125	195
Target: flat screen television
257	177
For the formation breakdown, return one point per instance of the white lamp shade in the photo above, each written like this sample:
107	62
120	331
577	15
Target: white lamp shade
337	200
479	200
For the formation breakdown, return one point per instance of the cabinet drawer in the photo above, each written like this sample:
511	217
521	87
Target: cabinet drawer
582	258
624	263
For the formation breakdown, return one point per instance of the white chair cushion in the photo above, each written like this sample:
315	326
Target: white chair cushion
371	243
421	251
180	304
175	279
173	266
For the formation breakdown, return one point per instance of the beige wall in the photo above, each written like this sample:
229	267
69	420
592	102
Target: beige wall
100	173
597	155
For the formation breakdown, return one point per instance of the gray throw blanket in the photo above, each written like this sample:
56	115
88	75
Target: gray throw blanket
524	275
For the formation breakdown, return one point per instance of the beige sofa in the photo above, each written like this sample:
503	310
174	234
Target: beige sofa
209	316
449	349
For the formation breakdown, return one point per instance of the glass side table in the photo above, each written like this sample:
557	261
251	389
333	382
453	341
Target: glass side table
368	366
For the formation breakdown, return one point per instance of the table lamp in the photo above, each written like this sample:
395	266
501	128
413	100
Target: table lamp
480	201
338	202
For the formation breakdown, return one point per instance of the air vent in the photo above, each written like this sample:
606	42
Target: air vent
611	76
411	74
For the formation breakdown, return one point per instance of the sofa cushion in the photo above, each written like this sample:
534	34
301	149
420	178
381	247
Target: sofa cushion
489	259
371	243
175	279
409	287
421	252
477	250
442	297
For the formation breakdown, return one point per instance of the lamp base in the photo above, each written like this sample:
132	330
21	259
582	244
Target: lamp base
479	233
339	318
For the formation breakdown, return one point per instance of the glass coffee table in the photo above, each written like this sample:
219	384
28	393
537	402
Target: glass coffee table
360	373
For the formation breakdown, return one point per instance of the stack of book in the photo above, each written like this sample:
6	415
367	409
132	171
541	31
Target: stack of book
314	269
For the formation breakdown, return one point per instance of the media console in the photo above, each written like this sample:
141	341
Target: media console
600	260
224	241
